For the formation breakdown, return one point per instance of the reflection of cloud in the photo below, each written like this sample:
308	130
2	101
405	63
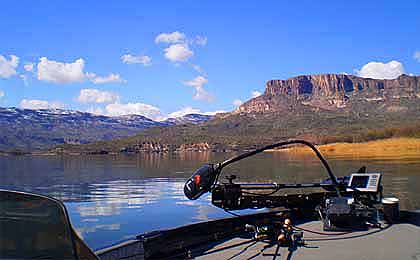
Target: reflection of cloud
109	198
203	212
89	220
203	207
186	202
98	209
86	230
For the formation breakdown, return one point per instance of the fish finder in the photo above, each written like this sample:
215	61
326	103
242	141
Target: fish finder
364	182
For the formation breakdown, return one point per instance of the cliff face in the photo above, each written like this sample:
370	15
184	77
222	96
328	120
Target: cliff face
331	91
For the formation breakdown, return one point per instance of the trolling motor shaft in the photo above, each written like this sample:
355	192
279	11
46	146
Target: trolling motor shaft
206	177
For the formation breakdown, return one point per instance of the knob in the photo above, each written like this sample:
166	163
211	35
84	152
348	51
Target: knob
230	178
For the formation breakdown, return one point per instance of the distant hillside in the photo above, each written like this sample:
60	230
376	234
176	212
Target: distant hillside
321	108
29	130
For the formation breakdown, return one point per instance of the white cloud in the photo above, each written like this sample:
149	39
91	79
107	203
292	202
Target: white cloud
95	110
60	72
416	55
189	110
8	67
184	111
111	78
200	94
178	52
379	70
237	102
91	95
198	69
28	66
201	40
149	111
2	94
255	94
40	104
174	37
132	59
212	113
24	79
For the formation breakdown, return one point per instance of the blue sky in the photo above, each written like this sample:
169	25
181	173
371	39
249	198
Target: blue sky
219	54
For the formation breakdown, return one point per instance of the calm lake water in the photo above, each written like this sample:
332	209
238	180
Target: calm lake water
114	198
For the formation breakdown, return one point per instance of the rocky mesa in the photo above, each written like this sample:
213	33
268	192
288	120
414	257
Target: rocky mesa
331	92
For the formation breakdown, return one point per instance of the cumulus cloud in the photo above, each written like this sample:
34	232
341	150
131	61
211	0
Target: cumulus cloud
132	59
174	37
91	95
255	94
189	110
237	102
8	67
60	72
40	104
379	70
198	84
149	111
111	78
178	52
201	40
416	55
28	66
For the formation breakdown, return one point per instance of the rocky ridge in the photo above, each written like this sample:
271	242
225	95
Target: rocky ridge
331	92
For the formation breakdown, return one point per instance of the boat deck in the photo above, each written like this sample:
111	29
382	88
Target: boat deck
397	241
400	241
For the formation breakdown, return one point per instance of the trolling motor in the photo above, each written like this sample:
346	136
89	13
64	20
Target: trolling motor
346	202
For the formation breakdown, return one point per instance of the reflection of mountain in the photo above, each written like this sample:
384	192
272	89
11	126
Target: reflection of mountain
38	171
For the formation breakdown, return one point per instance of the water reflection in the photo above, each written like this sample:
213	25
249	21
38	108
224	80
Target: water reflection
111	198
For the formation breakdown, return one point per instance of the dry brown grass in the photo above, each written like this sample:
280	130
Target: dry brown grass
386	148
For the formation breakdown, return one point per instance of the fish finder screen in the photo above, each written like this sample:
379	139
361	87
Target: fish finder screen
359	182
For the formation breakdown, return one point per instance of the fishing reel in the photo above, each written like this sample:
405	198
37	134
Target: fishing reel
282	233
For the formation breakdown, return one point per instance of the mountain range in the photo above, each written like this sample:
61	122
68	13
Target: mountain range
320	108
30	130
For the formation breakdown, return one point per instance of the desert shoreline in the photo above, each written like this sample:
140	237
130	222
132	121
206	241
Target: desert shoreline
403	147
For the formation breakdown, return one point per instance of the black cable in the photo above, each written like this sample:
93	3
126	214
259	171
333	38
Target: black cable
322	233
